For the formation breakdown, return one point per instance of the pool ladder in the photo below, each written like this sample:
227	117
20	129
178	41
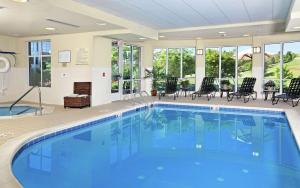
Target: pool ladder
20	98
142	101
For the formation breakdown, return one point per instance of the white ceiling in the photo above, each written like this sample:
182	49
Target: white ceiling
133	19
293	22
168	14
30	19
234	31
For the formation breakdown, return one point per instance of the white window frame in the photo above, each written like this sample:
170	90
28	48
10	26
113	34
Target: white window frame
132	80
281	79
41	56
220	61
181	59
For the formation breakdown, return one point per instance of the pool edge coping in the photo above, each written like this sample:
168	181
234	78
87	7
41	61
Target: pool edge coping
11	147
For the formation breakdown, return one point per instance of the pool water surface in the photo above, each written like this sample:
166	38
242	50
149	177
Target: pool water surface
168	146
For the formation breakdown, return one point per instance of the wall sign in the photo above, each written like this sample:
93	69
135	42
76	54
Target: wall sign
64	56
82	56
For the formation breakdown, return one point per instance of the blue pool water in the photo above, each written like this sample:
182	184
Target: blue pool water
167	147
16	110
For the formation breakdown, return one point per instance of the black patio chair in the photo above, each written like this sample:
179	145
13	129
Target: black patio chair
246	90
292	93
207	88
170	88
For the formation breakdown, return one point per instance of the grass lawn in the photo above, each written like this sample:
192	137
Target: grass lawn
293	66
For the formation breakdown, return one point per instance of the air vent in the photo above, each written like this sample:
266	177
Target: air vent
63	23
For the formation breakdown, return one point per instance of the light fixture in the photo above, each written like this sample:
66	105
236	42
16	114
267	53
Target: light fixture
142	38
199	52
257	50
50	28
101	24
221	32
246	35
298	27
21	1
161	36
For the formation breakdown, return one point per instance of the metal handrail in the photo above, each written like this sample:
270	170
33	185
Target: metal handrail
20	98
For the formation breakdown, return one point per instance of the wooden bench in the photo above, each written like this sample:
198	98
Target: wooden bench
82	96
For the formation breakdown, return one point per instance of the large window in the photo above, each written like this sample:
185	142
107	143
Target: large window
232	63
244	66
228	62
39	57
281	63
178	62
212	62
174	62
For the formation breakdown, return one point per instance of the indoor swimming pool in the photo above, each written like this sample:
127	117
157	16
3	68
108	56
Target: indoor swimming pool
166	146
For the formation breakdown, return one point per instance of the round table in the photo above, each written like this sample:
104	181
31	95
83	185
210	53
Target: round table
268	91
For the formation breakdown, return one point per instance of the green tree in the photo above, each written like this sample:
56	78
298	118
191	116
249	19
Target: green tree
212	62
228	64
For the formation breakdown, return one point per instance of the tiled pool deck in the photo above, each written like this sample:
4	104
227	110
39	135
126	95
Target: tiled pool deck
15	131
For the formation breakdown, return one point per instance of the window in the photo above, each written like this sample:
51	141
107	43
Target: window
291	62
174	62
39	57
232	63
189	66
136	71
178	62
115	68
272	63
244	66
281	63
228	62
212	62
131	57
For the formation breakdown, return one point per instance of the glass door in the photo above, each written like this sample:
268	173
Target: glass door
126	72
116	77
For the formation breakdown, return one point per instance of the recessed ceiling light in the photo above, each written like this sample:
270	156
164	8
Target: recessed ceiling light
222	32
21	1
298	27
161	36
50	28
246	35
142	38
15	34
102	24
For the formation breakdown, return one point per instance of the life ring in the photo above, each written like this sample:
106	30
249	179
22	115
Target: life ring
6	64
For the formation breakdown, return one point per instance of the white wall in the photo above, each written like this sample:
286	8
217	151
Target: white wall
13	78
60	85
99	50
101	65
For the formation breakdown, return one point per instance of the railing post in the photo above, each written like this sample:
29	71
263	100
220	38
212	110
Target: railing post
40	100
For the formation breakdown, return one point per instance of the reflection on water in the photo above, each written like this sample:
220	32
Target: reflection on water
163	147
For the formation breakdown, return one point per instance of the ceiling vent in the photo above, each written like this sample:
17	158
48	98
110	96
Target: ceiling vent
63	23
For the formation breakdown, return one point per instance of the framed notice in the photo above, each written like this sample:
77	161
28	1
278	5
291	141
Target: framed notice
82	56
64	56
